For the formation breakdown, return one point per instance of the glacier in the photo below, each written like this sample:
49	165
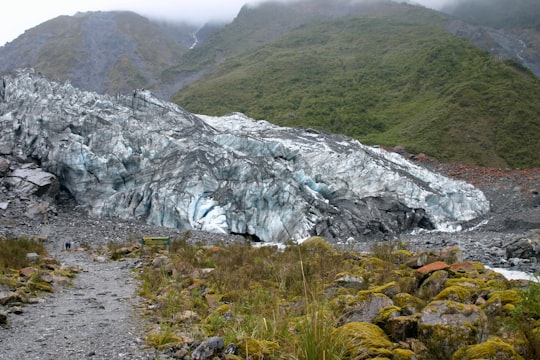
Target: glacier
134	156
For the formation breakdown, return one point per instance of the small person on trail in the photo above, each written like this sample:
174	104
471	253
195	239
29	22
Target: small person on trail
67	245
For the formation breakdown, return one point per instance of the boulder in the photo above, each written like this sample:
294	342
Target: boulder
367	309
524	247
208	349
350	282
433	284
365	341
451	255
445	326
32	180
494	348
4	166
401	328
4	319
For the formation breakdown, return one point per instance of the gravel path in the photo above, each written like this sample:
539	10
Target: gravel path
95	318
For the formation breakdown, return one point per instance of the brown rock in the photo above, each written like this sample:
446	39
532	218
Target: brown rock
428	269
27	272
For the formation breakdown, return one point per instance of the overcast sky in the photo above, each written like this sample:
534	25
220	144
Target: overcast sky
21	15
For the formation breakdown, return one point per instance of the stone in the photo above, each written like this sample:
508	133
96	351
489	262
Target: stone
493	348
367	309
351	282
4	319
401	328
421	259
4	166
433	285
32	257
430	268
365	341
160	261
524	247
447	326
209	348
10	297
27	272
451	255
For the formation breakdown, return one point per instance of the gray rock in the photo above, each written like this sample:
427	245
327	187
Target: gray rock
366	310
4	166
524	247
32	256
28	181
448	326
136	157
208	349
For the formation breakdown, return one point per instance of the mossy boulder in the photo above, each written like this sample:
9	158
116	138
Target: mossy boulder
349	281
317	245
445	326
433	285
456	293
389	289
494	348
387	313
496	301
403	354
365	341
471	283
367	309
408	303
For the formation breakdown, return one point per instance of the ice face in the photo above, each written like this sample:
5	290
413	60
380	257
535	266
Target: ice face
138	157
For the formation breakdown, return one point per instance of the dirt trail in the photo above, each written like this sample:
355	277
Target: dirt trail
95	318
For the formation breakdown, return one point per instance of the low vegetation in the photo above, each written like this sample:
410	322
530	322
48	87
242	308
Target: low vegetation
312	301
27	271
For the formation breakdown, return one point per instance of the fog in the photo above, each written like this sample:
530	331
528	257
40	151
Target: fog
18	16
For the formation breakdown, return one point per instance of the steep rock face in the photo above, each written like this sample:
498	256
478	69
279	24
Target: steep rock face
138	157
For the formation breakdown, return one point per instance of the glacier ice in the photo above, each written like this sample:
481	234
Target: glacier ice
135	156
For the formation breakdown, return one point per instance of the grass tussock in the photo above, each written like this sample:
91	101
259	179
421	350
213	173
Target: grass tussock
13	252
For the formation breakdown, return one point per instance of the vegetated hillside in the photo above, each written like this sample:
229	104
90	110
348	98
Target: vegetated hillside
99	51
392	78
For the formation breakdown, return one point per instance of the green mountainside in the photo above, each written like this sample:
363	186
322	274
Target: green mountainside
385	77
